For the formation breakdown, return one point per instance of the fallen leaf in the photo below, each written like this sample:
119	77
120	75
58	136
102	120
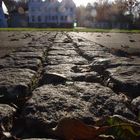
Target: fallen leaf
74	129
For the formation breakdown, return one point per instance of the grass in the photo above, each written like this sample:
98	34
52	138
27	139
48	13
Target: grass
71	30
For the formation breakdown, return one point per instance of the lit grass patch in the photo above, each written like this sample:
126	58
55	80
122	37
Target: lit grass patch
71	30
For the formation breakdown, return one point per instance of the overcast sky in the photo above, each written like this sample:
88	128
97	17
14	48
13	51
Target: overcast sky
83	2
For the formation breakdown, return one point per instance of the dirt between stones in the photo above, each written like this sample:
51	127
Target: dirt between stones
56	75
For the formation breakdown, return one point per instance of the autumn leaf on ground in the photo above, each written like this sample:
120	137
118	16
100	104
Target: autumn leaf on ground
113	127
73	129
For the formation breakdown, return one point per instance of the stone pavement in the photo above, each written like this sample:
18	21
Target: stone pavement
127	42
60	75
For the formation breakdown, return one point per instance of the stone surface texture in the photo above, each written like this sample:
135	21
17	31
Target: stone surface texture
54	75
6	116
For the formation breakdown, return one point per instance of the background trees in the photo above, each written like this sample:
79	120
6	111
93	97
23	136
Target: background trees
119	12
13	4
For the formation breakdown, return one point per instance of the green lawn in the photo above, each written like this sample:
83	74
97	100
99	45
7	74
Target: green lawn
71	30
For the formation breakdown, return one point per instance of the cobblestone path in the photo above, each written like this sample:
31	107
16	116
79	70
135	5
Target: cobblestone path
59	75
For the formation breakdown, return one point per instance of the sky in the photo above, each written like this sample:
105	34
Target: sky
83	2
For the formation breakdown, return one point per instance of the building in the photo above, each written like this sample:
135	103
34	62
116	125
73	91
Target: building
51	13
3	22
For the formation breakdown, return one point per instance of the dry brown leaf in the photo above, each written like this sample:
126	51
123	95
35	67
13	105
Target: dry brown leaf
73	129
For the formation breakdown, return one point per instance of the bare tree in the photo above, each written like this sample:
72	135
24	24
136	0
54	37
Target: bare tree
10	4
131	6
103	10
80	15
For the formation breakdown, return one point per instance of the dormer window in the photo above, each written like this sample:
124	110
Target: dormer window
71	9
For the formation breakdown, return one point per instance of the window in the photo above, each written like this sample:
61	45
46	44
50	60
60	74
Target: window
56	17
62	18
46	18
49	17
65	17
33	18
39	18
56	9
53	17
71	9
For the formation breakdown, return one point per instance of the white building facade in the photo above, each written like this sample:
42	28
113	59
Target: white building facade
51	13
3	22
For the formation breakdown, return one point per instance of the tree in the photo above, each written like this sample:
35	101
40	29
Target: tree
103	10
23	4
80	15
89	16
10	4
131	6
